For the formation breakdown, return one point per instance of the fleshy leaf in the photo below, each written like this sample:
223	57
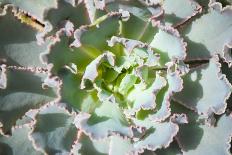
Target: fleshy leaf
119	145
136	7
152	139
88	146
91	72
206	139
18	142
169	129
71	93
203	81
127	82
175	84
168	41
23	92
36	8
173	149
145	99
215	140
18	44
203	42
106	120
138	29
77	14
104	27
60	53
54	131
177	12
93	11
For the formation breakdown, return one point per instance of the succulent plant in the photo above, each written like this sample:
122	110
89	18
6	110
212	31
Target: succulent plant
115	77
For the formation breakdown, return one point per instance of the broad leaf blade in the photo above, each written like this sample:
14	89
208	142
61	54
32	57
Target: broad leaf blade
21	94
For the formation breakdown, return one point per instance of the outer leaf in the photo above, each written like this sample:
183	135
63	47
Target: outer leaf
36	8
138	29
18	44
104	27
53	130
169	129
71	93
203	42
18	143
88	146
198	138
215	140
119	145
153	131
78	15
173	149
106	119
93	11
138	8
203	81
60	54
21	94
177	12
168	41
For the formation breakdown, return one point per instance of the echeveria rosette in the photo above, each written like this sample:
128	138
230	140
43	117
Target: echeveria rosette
115	69
115	78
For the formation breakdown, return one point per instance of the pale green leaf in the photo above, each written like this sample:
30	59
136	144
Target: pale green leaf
207	36
18	44
18	143
177	12
204	81
54	131
36	8
23	92
107	119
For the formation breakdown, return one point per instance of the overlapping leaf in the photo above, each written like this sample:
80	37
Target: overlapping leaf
54	131
85	145
35	8
177	12
200	97
20	95
18	143
199	138
65	11
204	41
18	44
169	43
108	118
146	141
138	8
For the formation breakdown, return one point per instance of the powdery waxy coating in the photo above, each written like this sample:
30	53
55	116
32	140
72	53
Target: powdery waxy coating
101	77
